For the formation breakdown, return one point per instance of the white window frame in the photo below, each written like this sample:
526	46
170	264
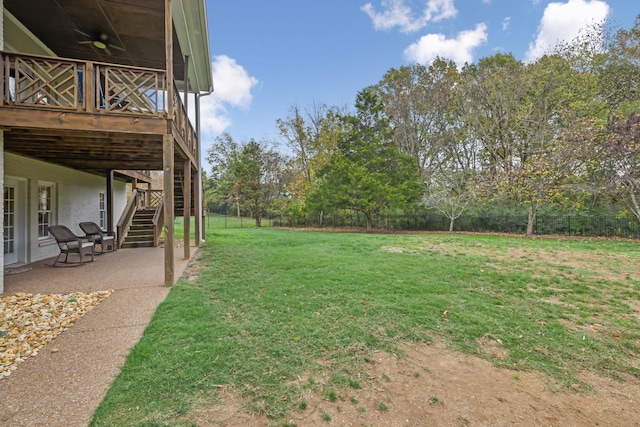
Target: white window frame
50	209
102	209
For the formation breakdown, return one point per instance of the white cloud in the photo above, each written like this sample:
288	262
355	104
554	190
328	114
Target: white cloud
233	87
505	23
459	50
397	14
562	22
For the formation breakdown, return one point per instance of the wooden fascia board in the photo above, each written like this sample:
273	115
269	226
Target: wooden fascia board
71	120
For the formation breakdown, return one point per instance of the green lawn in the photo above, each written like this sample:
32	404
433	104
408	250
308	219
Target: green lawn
215	222
270	304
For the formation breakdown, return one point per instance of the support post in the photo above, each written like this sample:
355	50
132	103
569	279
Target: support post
169	208
90	87
109	195
168	41
186	85
187	209
197	209
199	195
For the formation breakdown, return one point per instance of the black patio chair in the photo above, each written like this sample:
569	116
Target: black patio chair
105	239
69	243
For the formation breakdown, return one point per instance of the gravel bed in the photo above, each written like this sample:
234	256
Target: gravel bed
28	322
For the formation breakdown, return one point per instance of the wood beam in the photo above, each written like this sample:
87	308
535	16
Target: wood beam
34	118
169	208
186	194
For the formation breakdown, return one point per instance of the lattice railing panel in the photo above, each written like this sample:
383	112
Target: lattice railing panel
130	90
182	122
46	82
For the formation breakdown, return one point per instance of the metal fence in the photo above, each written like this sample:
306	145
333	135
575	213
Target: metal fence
566	225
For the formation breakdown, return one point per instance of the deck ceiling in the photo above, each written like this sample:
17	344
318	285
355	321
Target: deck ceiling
136	26
92	152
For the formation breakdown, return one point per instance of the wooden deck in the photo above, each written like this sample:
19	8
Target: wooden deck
91	116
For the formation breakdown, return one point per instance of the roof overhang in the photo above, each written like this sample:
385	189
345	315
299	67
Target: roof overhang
190	23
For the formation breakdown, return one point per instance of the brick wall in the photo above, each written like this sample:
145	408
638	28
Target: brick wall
76	199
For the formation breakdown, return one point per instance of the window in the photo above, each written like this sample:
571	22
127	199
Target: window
103	210
45	209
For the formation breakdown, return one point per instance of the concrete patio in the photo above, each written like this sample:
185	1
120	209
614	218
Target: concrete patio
64	388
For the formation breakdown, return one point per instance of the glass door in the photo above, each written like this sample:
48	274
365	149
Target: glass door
10	244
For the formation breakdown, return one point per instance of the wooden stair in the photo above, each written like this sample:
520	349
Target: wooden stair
178	194
140	233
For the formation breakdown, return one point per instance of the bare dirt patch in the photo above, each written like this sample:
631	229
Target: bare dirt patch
433	386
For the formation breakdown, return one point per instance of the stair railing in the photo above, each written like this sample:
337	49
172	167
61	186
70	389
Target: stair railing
158	222
127	216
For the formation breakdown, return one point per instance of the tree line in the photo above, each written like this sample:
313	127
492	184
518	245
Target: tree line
561	135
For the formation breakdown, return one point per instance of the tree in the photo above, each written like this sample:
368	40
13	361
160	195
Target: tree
523	116
312	137
222	154
623	160
421	104
258	178
369	174
450	192
248	175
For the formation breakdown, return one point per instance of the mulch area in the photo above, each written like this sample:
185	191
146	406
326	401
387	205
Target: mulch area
28	322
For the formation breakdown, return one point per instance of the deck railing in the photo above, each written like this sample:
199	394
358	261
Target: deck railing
93	87
182	122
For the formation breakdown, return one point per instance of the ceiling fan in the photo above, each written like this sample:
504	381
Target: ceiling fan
99	41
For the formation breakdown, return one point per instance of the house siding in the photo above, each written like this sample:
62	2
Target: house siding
76	199
1	25
1	186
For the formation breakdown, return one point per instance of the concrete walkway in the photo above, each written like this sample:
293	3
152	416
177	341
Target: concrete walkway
64	388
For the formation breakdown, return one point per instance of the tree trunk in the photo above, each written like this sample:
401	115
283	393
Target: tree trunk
321	215
369	222
258	222
451	221
531	219
238	207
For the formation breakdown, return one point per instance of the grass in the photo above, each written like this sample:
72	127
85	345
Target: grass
214	222
271	306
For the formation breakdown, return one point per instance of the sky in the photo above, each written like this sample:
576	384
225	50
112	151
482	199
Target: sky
269	56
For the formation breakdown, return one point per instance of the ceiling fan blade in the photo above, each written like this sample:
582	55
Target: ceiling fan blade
86	42
107	51
82	33
113	46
